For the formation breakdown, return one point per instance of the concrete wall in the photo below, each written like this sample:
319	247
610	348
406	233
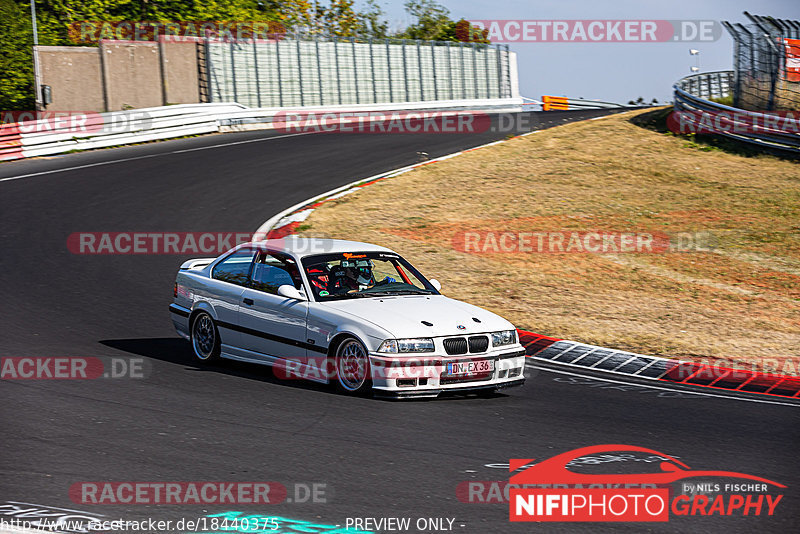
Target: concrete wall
74	74
181	82
132	71
120	75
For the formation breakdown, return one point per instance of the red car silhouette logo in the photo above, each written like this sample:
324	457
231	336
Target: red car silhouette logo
554	471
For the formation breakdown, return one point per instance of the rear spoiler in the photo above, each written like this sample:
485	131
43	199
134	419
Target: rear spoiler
196	264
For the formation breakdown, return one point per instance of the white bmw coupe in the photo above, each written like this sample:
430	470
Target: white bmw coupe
351	313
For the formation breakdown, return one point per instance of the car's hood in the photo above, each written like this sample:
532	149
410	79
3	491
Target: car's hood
403	316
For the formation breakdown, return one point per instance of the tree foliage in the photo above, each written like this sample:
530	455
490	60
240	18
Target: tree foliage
338	18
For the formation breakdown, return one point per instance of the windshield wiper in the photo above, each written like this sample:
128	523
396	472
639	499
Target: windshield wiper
396	292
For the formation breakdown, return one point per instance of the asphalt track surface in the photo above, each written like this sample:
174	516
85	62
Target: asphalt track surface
235	422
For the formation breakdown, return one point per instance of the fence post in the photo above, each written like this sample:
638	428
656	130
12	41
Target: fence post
299	72
209	71
355	70
278	63
255	64
486	70
475	68
737	50
372	68
463	74
499	72
433	68
508	71
389	70
338	74
233	74
405	69
319	71
419	67
450	69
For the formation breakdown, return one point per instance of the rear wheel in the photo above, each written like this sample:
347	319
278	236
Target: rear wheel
205	337
352	367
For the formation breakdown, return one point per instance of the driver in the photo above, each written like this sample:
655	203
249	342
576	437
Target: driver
361	276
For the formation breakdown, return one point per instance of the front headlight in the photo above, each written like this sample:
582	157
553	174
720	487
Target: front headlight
506	337
393	346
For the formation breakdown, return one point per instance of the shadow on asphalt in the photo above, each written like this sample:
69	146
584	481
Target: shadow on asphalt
177	351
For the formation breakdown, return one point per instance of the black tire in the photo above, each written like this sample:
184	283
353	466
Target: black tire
205	338
353	370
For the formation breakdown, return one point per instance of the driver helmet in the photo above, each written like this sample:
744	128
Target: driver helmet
364	271
360	270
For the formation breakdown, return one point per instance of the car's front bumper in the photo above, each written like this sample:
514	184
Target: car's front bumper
427	375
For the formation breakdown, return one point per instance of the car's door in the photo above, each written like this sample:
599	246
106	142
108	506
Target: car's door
272	325
224	292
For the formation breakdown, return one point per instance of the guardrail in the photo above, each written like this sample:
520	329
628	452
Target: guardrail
717	84
554	103
46	137
696	112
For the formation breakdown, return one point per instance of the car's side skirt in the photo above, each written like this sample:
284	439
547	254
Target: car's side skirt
301	369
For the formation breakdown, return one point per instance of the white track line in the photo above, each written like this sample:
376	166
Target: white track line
532	365
111	162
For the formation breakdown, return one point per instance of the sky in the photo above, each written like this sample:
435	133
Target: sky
615	72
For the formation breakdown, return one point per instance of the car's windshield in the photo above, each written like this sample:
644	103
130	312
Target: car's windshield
363	274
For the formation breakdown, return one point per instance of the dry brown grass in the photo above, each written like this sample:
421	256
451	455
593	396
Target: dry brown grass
740	302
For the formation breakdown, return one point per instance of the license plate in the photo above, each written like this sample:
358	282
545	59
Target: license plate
467	368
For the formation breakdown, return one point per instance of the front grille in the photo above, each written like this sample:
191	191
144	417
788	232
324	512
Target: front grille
455	345
478	343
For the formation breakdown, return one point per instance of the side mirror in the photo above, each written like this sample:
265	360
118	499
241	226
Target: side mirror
290	292
436	284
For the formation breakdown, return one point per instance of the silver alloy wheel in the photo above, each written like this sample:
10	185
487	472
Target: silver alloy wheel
204	336
352	365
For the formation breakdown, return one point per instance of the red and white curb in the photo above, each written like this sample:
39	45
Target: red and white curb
589	357
564	353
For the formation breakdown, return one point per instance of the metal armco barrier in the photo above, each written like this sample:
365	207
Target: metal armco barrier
556	103
10	142
765	130
101	130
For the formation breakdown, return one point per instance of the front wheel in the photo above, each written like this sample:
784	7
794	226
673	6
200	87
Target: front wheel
352	367
205	338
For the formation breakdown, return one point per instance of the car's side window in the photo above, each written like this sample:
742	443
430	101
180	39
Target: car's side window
235	268
273	270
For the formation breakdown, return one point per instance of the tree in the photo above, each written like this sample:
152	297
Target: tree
57	23
434	24
374	23
432	20
342	20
